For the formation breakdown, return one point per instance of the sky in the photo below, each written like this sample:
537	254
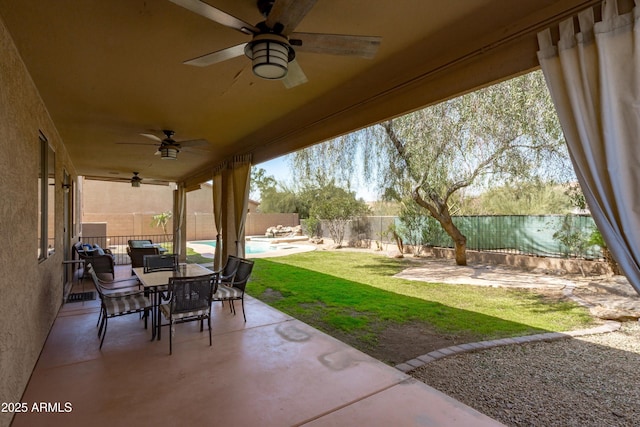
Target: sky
279	169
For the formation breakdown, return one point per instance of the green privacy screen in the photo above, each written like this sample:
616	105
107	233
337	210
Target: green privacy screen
521	234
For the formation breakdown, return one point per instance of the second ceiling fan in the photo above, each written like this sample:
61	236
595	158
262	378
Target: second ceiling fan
273	46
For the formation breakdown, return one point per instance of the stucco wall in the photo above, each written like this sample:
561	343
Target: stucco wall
129	211
30	291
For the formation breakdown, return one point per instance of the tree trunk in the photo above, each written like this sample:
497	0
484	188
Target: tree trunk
459	240
440	211
613	265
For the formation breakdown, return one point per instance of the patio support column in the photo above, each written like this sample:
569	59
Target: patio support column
180	222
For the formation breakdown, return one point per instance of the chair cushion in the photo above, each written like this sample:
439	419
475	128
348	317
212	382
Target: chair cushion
166	311
120	294
126	304
227	292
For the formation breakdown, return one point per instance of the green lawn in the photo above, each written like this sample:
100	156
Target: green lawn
354	294
194	257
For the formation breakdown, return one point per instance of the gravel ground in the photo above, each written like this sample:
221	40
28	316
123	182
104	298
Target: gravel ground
587	381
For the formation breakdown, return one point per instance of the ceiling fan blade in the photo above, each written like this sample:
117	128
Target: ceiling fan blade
295	76
194	143
219	56
216	15
194	150
151	136
336	44
148	144
288	13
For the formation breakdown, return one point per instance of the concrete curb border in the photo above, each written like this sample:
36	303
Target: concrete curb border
609	326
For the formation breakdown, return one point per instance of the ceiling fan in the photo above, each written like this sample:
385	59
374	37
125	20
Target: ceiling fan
169	148
136	180
271	48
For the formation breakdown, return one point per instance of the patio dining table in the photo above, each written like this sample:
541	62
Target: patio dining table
156	282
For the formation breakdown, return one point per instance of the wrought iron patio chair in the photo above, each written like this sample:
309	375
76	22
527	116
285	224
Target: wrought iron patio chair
233	290
226	273
167	262
114	304
102	259
117	288
137	255
189	300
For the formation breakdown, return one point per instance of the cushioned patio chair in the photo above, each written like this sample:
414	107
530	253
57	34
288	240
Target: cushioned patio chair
102	260
137	255
143	243
119	288
190	300
233	289
226	273
114	304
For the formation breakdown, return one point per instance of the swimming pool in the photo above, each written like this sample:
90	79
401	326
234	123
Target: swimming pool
257	249
251	248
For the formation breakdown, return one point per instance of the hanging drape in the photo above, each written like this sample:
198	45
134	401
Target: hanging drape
217	215
230	201
228	226
594	78
241	183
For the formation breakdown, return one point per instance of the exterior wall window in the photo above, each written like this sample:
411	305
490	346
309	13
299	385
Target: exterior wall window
46	199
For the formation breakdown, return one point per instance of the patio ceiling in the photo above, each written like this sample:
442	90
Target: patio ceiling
111	70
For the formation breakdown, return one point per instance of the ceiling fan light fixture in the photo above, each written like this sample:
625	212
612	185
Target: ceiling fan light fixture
271	54
169	152
135	180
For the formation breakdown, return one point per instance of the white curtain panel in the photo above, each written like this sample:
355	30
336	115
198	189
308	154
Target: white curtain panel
593	75
241	184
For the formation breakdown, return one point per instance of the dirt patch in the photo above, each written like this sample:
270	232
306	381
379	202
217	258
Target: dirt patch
399	343
270	296
396	343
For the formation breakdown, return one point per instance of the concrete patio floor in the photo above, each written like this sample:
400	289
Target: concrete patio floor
272	370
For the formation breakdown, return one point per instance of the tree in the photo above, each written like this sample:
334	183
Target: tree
575	194
596	239
276	197
415	228
282	200
260	183
520	198
335	205
481	139
162	220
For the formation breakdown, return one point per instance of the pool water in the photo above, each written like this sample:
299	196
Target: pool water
250	247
